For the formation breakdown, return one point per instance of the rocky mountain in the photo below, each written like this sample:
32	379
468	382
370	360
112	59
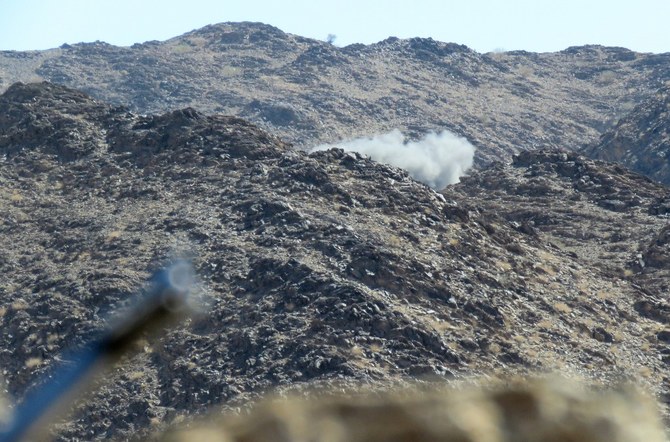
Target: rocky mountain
316	269
640	140
310	92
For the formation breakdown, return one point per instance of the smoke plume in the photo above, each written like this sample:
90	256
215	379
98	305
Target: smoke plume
436	160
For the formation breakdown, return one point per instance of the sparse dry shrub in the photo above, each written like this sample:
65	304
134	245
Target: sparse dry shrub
562	307
526	71
182	49
606	78
503	265
16	197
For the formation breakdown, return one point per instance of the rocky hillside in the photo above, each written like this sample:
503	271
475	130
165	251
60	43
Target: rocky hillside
599	213
640	140
316	269
310	92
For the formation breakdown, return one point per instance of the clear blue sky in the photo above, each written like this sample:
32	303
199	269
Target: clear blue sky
484	25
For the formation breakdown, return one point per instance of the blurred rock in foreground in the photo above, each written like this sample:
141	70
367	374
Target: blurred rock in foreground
524	411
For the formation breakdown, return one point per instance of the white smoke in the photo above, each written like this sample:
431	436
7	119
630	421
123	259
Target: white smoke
436	160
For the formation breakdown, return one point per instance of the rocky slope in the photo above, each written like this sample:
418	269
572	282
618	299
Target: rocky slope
640	140
599	213
310	92
316	269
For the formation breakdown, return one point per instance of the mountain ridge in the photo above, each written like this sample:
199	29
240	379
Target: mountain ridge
310	92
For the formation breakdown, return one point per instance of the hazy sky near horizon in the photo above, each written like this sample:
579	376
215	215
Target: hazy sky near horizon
483	25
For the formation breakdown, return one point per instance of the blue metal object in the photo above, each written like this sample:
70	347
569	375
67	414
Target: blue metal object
166	299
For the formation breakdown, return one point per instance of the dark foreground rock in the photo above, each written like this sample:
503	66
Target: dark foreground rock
324	269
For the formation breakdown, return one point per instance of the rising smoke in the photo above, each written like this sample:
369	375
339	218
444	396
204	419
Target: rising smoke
436	160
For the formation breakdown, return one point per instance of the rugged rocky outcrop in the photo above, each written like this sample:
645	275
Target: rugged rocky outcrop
310	92
640	140
316	269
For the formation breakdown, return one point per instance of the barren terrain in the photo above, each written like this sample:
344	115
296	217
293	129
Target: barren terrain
316	269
